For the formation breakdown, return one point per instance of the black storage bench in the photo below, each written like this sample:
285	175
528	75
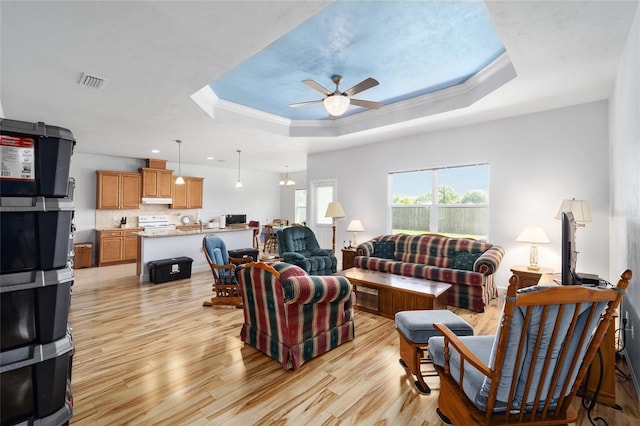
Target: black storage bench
164	270
240	253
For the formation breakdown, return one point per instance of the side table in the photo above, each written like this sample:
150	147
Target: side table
529	277
348	257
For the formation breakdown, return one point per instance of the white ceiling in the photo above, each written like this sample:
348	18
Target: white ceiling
155	55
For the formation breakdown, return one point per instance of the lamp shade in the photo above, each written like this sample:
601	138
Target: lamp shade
336	104
334	210
355	226
579	208
533	234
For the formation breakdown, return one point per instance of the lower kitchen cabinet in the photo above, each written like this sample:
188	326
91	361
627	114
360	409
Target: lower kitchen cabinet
117	246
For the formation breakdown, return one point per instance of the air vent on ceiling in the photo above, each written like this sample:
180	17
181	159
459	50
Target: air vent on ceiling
92	81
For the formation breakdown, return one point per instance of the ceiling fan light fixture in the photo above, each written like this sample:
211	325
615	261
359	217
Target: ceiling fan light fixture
336	105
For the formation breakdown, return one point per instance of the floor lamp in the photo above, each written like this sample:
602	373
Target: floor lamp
334	211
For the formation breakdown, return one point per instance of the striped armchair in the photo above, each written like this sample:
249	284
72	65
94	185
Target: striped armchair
291	316
468	265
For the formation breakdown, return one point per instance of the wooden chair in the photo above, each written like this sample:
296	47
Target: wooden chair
530	372
225	285
270	240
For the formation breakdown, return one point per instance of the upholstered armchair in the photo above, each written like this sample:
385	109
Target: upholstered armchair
291	316
531	370
298	245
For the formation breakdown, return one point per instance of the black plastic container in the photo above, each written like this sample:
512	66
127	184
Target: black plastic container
36	159
164	270
34	382
34	307
35	233
240	253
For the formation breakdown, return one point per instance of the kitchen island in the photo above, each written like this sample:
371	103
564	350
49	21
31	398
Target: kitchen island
165	244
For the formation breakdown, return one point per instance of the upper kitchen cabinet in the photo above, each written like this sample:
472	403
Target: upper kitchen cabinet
117	190
156	183
189	195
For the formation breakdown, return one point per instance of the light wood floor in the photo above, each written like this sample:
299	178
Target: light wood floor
151	354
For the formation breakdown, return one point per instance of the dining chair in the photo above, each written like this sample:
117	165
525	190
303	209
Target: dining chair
270	239
256	232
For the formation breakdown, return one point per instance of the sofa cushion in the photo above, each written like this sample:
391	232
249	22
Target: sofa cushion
384	249
465	260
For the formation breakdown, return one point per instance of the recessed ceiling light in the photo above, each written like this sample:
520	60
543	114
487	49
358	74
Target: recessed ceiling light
155	151
209	158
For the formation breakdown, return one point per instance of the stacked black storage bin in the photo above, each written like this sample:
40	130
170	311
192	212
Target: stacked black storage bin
36	209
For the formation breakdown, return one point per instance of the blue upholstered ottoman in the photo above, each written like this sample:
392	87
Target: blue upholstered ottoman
415	328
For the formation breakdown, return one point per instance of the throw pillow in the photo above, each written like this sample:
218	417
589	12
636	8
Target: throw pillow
465	260
384	249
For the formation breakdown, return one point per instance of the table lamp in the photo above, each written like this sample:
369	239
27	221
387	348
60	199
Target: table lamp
533	235
355	226
334	211
579	208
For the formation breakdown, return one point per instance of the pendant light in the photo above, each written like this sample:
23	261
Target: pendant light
179	179
238	183
287	180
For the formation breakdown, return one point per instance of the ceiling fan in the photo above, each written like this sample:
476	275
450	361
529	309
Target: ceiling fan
336	103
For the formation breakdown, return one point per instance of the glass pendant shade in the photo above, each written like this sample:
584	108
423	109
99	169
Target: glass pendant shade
179	179
238	182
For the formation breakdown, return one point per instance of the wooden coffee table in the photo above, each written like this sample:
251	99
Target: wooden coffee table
386	294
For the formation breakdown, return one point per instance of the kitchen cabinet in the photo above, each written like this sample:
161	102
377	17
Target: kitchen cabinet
117	190
156	183
189	195
117	246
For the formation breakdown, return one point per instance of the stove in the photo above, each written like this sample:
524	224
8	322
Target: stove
155	223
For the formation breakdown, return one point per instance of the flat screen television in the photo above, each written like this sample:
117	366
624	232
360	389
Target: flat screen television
569	253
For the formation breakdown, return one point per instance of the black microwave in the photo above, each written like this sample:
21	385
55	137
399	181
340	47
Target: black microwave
236	218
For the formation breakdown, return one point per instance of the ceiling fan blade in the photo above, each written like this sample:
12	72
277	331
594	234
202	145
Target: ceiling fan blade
363	85
366	104
317	86
297	104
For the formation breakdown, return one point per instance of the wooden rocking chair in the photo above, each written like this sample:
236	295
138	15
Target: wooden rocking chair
530	372
225	285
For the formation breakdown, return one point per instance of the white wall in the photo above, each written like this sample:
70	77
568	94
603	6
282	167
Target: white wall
288	196
625	187
259	198
535	161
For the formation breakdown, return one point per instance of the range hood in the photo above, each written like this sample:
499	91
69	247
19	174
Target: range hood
155	200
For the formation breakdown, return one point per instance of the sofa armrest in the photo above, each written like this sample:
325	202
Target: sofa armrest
292	256
365	249
489	261
316	289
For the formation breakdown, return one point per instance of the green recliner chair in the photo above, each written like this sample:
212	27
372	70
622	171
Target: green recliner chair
298	245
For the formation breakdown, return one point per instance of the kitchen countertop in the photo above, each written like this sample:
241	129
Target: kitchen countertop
181	232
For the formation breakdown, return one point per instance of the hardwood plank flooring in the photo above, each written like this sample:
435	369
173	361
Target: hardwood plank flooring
152	354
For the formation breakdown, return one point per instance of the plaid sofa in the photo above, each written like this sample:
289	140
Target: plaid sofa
468	265
292	316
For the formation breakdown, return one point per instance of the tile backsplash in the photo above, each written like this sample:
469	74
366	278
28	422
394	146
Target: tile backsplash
109	219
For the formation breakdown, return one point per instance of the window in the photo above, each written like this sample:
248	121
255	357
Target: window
323	193
453	201
300	206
